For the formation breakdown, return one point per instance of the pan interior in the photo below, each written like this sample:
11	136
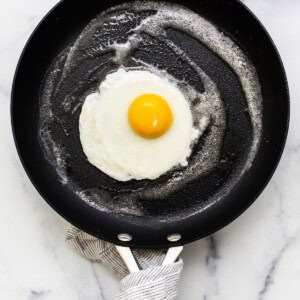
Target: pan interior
150	36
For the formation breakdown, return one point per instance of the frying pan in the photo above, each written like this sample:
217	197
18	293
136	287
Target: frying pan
201	207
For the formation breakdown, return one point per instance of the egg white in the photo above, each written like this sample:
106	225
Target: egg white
114	148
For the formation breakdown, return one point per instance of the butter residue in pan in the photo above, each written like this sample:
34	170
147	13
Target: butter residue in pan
120	37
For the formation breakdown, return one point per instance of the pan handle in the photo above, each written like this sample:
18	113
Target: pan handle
153	282
172	255
131	264
128	258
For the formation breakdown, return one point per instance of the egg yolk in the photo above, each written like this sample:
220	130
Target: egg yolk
150	116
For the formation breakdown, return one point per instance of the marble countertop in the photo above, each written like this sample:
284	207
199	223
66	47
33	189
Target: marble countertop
257	257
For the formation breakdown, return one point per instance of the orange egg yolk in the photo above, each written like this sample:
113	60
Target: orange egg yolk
150	116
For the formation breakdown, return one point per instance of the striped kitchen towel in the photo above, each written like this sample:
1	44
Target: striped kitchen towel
153	282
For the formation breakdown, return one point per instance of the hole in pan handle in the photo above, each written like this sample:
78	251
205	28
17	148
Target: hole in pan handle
131	264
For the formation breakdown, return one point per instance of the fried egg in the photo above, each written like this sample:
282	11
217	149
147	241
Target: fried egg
139	125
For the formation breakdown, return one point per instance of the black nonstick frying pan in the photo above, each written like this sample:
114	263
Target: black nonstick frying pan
201	207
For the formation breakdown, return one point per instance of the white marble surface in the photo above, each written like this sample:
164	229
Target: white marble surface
254	258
